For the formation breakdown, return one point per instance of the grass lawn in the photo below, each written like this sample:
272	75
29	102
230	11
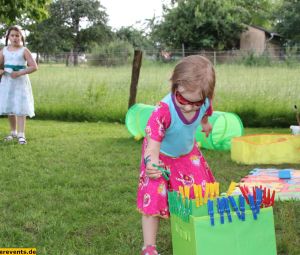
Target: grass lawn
72	190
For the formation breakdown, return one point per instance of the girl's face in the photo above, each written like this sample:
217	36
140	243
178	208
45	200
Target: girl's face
188	100
15	38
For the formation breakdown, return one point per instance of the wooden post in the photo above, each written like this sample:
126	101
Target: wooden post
136	66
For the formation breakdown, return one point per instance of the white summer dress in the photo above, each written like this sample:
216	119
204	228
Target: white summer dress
15	94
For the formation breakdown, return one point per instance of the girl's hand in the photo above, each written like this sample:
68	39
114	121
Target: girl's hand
151	171
1	71
206	128
15	74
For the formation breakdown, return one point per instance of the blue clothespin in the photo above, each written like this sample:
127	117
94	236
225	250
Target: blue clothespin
252	206
234	206
227	208
220	206
259	194
210	207
242	207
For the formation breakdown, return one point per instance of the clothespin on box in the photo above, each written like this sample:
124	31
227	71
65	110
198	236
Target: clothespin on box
242	207
210	207
235	207
252	206
227	208
231	188
196	193
220	207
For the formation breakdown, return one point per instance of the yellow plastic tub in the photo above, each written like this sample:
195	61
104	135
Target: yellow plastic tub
266	149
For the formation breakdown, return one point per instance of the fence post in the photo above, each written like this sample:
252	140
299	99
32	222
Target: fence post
136	66
215	58
183	51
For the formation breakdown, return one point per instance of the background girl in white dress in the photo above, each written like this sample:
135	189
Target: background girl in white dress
16	98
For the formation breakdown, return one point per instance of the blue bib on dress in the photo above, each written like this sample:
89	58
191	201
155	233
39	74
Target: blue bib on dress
180	136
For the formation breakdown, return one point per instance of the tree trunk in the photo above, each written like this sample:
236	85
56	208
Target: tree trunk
136	66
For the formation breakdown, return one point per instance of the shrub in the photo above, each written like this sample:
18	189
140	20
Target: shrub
115	53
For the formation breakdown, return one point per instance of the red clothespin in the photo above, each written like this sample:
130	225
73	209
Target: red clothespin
272	198
254	194
244	193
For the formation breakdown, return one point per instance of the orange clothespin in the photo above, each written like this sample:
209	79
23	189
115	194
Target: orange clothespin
217	189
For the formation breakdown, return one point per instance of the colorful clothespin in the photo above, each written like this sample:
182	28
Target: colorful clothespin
231	188
217	189
258	199
252	206
211	190
227	208
210	207
235	207
200	194
245	193
242	207
165	173
186	191
196	193
272	198
220	207
206	192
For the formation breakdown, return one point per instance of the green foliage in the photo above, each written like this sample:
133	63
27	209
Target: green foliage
114	53
252	59
202	24
21	10
134	36
64	30
288	21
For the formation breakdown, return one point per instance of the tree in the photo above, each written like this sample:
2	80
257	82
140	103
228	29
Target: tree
209	24
13	10
135	37
72	25
288	21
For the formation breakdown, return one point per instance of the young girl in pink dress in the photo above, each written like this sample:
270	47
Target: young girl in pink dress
170	143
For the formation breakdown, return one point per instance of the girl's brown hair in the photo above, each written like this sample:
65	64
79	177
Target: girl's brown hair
195	71
14	28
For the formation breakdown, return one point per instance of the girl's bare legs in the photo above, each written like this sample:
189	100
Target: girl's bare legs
12	119
150	227
21	121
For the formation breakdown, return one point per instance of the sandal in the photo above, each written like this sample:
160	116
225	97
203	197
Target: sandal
149	250
9	138
22	140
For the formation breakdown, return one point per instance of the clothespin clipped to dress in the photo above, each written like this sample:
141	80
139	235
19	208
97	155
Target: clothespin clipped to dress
211	190
227	208
165	173
210	207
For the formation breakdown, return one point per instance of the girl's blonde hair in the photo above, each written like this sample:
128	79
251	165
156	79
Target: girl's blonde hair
195	71
14	28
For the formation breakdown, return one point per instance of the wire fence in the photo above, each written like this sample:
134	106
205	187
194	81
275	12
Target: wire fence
113	58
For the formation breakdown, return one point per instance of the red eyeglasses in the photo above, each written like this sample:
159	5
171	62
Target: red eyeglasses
184	101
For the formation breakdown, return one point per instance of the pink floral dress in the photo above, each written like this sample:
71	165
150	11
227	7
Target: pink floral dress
189	169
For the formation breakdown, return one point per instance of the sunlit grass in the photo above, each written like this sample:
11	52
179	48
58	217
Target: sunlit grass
72	190
262	96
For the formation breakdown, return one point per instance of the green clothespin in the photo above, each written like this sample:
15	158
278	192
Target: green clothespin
165	173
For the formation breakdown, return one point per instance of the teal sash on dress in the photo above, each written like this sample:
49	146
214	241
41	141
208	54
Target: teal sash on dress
15	67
